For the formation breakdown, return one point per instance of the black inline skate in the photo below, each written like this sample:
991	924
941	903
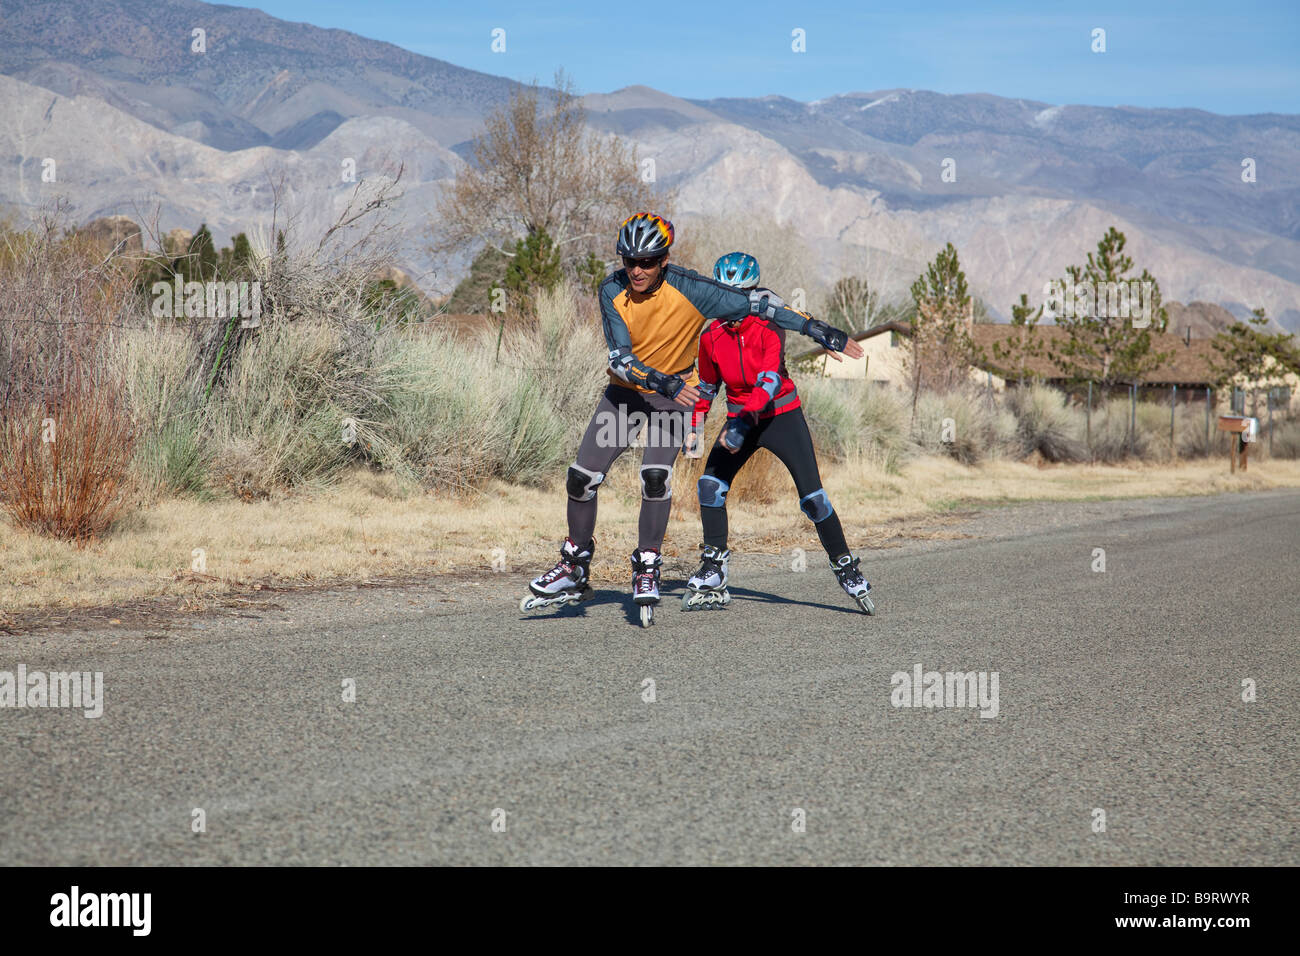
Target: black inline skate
566	583
707	587
852	581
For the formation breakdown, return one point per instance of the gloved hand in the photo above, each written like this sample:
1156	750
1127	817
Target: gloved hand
733	436
825	335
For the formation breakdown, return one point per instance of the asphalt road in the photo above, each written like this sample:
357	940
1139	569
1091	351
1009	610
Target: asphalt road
1118	691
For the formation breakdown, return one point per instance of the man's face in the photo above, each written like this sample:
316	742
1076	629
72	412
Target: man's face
644	273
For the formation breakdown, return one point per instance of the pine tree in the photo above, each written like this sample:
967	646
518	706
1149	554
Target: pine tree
201	257
941	348
1101	347
535	265
473	294
591	273
1252	358
1023	342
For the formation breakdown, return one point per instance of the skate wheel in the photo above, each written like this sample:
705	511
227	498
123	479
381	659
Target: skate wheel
647	615
725	599
866	604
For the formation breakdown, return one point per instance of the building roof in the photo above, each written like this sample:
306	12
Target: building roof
1188	365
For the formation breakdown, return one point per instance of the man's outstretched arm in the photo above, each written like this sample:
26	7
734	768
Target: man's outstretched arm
716	300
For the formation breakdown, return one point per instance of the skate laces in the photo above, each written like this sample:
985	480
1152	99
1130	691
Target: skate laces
645	570
848	572
568	564
561	569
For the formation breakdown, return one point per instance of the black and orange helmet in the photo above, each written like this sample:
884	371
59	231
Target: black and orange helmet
644	236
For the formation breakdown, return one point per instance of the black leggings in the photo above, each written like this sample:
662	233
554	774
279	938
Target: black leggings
786	436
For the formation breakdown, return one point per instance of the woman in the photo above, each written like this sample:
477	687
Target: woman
763	411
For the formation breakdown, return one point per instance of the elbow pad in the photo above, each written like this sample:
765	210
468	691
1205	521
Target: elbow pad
620	360
825	335
769	382
765	302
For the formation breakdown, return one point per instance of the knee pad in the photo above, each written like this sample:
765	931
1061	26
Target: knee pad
816	506
712	492
581	484
656	482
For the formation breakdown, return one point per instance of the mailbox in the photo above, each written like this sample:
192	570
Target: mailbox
1246	429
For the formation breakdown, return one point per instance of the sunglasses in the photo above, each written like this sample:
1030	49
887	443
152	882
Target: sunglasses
641	263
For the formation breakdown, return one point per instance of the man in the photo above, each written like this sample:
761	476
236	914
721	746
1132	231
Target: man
651	314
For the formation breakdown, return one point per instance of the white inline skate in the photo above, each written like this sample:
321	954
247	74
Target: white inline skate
707	587
566	583
852	581
645	583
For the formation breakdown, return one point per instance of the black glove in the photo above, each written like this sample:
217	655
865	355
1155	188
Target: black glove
733	436
825	335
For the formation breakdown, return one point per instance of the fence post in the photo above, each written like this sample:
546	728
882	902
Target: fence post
1089	421
1132	416
1270	423
1173	404
1208	449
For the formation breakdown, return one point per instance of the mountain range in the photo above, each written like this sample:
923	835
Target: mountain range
136	118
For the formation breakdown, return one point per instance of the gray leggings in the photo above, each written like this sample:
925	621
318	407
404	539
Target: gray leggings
622	415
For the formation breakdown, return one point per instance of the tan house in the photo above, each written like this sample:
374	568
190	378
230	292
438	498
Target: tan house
882	360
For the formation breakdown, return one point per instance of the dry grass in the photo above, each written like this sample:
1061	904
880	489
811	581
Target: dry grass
370	526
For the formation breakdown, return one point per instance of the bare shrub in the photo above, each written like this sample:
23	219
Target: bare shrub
1045	424
961	424
66	436
64	458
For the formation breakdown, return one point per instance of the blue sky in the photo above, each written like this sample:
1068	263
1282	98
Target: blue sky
1226	57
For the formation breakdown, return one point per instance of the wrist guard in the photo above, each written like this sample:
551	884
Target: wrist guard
666	385
825	335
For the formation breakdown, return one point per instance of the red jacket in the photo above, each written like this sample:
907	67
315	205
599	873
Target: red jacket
738	356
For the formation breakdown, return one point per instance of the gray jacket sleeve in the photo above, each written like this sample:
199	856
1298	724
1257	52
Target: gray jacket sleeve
718	301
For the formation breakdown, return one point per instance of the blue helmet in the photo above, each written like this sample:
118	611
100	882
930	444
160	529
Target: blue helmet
737	268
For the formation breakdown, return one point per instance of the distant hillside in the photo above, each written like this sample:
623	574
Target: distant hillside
113	92
262	81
